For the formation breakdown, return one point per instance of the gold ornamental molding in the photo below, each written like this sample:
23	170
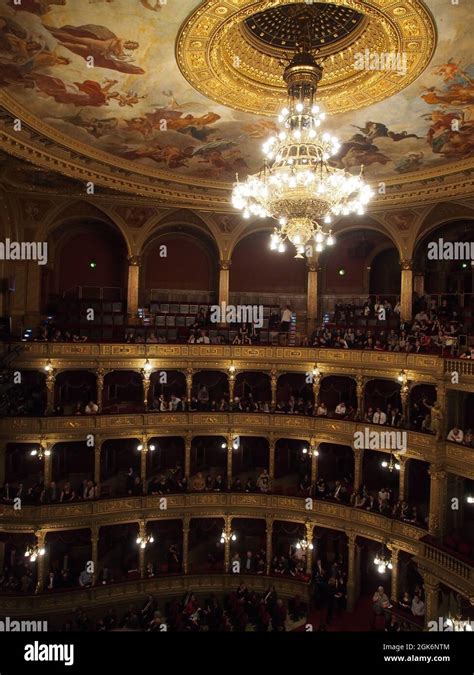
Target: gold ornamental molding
231	51
131	591
51	150
459	460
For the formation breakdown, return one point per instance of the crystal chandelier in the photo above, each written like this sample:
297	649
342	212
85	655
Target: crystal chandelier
297	186
143	540
383	562
304	544
34	552
391	465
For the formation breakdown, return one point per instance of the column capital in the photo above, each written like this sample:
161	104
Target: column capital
406	264
351	537
40	537
95	529
134	260
225	264
186	523
437	472
312	266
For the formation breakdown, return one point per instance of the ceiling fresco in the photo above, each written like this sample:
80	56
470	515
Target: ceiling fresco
105	73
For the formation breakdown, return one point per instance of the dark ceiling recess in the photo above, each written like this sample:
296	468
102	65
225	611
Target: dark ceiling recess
286	26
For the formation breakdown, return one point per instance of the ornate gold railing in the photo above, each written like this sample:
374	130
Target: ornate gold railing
130	591
420	446
90	355
463	570
212	505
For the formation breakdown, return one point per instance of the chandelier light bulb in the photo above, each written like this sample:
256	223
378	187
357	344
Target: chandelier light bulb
381	569
299	107
384	464
470	500
285	112
140	447
234	537
152	447
281	248
376	560
397	466
319	238
330	241
319	247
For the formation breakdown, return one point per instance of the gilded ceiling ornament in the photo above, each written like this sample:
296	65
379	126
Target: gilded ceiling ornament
235	57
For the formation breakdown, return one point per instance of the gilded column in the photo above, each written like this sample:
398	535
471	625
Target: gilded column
269	533
394	590
314	461
309	550
146	374
40	561
141	551
273	385
186	523
95	553
188	440
231	383
438	497
406	291
100	375
143	461
360	385
405	398
48	462
271	457
97	451
224	268
229	439
50	386
352	570
438	413
358	467
228	532
403	478
431	587
133	285
316	386
312	306
189	385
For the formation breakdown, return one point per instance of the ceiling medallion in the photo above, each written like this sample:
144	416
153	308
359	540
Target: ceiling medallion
234	57
297	186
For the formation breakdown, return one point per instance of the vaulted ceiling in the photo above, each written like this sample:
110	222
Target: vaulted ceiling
173	97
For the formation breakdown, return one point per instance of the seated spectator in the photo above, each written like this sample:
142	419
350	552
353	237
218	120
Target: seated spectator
263	482
340	410
405	602
379	417
85	578
67	494
417	606
456	435
91	408
321	410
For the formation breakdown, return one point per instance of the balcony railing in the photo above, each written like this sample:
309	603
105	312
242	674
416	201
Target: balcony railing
449	562
130	591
